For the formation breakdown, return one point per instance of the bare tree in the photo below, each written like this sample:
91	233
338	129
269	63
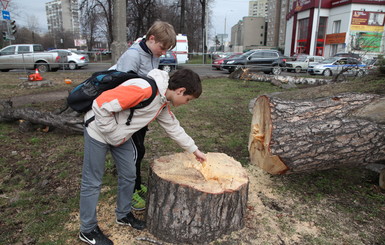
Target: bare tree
96	20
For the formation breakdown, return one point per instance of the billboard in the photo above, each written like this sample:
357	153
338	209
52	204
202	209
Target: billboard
367	21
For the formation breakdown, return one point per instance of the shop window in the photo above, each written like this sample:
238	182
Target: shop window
302	36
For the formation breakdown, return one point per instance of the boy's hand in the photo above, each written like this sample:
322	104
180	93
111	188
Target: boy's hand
200	156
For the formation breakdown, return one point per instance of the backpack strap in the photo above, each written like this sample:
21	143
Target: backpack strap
142	104
145	102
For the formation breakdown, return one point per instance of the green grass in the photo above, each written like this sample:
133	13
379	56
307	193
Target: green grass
40	173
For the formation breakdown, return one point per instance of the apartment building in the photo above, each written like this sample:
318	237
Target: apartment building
63	15
276	23
258	8
248	34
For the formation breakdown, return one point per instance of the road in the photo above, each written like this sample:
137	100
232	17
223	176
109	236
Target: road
203	70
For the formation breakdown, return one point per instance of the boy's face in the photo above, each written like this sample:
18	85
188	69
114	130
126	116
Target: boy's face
156	48
179	98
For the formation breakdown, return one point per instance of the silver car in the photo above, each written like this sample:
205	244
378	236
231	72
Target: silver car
302	63
76	60
335	65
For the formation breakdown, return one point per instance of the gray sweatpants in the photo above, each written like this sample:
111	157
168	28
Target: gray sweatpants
93	170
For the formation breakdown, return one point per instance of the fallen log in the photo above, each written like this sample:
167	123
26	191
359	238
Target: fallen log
189	202
65	121
290	136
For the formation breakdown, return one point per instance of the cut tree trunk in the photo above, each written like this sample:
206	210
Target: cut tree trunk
189	202
70	121
296	136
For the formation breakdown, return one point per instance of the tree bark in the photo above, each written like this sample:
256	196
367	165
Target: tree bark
297	136
69	122
193	203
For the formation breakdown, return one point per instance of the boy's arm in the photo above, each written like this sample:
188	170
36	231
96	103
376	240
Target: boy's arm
173	129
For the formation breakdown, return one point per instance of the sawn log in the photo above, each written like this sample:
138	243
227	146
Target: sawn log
290	136
189	202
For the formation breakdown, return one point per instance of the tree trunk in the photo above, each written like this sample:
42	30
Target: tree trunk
297	136
68	121
192	202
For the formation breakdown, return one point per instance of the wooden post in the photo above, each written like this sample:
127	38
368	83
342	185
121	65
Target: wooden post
189	202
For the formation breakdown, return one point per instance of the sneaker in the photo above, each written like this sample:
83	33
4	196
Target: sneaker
138	203
143	192
132	221
95	237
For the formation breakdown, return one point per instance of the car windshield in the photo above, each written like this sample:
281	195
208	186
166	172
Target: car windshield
329	60
301	58
246	54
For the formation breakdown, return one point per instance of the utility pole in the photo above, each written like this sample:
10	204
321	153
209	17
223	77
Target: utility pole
119	30
182	16
203	21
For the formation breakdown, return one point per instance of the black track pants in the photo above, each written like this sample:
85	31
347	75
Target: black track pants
138	139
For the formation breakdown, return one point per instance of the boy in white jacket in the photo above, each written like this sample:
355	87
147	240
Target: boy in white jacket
109	132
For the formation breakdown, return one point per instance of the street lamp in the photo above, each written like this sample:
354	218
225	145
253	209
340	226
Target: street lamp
224	34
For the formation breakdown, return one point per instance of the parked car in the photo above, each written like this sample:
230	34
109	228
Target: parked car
75	59
334	65
372	64
30	56
349	54
302	62
216	64
168	62
268	61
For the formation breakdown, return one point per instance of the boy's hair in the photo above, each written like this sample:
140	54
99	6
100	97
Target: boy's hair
186	78
163	33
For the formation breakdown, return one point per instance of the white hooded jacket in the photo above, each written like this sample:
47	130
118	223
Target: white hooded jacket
111	110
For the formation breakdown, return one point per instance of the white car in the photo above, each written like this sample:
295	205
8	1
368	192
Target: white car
302	63
76	60
336	65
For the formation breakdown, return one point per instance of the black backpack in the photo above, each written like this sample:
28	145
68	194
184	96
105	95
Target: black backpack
82	96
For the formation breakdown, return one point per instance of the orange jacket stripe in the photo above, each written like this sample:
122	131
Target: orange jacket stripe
128	96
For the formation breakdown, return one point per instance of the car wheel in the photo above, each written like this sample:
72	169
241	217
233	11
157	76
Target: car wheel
167	68
360	73
298	69
42	67
327	73
72	66
276	70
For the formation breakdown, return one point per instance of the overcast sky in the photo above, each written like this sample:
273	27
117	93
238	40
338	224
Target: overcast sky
223	11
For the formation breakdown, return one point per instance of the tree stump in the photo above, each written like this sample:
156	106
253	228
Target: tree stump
189	202
296	136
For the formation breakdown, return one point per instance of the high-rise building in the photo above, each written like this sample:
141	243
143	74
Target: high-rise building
63	15
258	8
248	34
276	23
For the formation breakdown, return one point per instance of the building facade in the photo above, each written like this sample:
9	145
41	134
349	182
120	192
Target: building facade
276	23
327	27
258	8
63	15
248	34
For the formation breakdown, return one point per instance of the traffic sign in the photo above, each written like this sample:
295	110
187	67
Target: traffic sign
6	15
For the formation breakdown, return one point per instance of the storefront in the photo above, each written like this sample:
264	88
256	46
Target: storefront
326	27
